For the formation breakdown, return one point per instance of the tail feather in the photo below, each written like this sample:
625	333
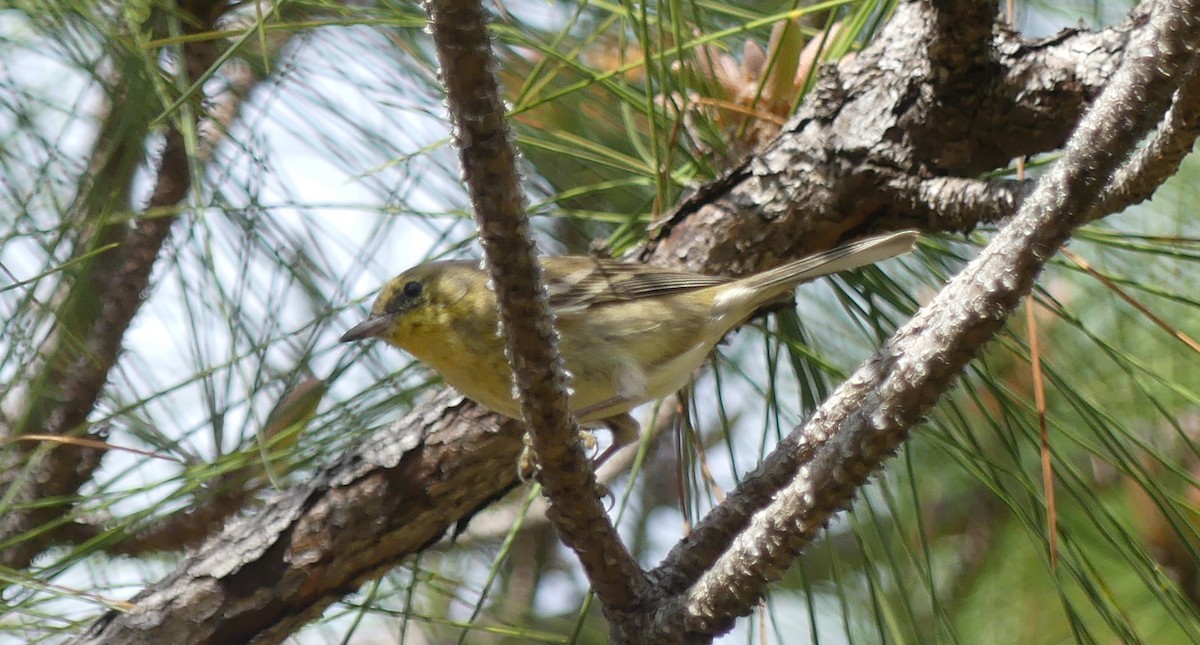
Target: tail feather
766	287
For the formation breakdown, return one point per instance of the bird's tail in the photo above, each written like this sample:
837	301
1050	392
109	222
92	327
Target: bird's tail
768	286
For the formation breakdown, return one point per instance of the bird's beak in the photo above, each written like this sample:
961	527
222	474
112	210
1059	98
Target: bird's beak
373	327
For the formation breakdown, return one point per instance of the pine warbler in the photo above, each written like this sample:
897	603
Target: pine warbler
628	333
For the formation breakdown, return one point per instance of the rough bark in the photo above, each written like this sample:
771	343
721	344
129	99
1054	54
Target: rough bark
268	574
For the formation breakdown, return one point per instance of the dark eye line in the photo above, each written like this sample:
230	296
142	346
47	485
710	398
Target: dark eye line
404	297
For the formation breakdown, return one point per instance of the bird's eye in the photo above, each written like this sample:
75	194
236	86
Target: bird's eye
412	289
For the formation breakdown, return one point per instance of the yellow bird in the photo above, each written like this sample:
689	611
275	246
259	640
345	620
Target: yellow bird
628	333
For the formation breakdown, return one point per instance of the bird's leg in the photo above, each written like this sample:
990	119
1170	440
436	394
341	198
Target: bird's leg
624	429
623	426
629	382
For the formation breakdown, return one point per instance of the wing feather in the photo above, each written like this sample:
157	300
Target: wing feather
574	283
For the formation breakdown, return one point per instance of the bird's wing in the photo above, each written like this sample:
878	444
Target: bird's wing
574	283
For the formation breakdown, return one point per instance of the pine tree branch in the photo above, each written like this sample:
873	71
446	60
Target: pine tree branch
268	574
872	140
1160	159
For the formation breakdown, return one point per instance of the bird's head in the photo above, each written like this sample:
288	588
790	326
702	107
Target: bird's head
425	295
